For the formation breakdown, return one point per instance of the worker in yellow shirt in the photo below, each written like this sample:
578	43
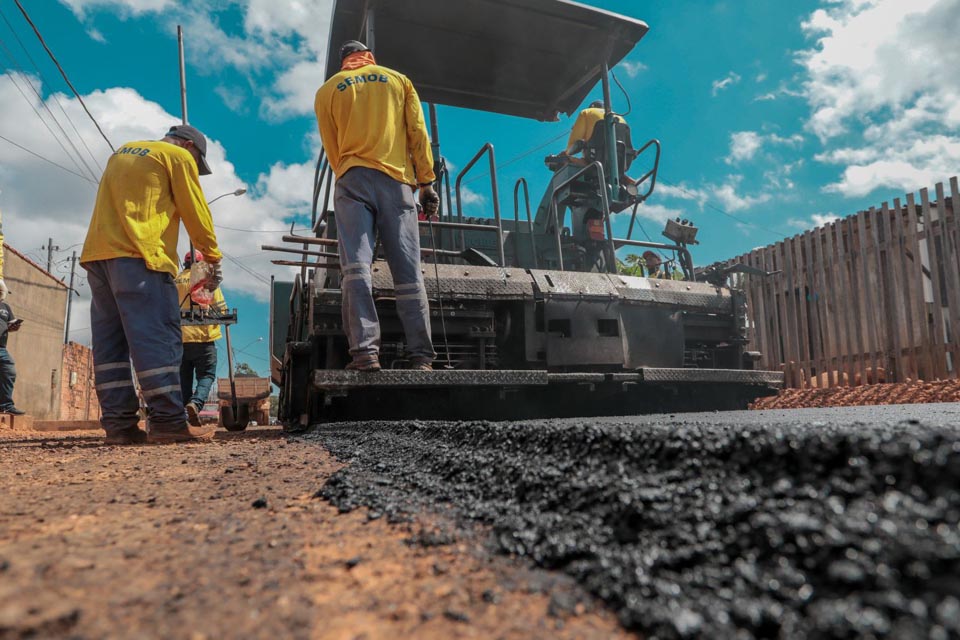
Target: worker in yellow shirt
199	345
130	255
373	130
584	125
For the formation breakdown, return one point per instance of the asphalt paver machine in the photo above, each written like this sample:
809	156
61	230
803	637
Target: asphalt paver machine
530	316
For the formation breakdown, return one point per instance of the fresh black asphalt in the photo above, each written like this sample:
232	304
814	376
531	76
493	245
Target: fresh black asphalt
833	523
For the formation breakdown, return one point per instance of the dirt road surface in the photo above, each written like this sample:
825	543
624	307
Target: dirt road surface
230	540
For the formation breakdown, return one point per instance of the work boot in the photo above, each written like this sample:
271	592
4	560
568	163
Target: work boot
193	414
13	411
182	433
366	362
130	435
420	364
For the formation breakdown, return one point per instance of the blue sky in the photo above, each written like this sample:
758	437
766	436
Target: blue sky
774	117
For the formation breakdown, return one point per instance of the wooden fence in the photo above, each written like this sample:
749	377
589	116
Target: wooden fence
874	297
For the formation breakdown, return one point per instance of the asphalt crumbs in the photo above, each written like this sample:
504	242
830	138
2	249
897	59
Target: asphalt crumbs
834	523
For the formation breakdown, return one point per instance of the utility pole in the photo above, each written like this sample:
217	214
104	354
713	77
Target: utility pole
70	293
50	249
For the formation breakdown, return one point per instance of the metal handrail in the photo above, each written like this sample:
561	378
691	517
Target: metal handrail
516	222
485	149
653	172
598	167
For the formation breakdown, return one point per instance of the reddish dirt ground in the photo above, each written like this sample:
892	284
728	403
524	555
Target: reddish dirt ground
871	394
227	540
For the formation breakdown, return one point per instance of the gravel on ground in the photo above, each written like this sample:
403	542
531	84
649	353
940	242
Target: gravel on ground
757	524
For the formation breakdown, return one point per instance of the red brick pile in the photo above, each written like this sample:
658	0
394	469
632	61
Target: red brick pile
892	393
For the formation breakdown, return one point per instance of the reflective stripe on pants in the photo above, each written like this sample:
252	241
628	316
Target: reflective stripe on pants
366	201
135	315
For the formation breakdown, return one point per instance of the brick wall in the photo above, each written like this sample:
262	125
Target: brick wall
78	396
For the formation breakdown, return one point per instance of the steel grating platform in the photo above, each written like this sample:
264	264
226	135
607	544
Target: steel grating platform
716	376
333	379
340	380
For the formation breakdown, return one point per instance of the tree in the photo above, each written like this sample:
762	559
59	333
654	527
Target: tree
632	265
244	370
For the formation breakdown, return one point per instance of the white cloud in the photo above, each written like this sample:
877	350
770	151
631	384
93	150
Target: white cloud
134	7
725	195
820	219
720	85
633	69
281	44
730	200
760	77
744	145
233	98
877	84
814	221
40	201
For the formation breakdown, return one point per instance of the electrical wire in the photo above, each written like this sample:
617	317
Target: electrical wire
53	94
23	94
63	73
519	157
709	205
34	153
625	95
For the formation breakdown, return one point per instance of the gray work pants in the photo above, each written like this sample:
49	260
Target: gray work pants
365	201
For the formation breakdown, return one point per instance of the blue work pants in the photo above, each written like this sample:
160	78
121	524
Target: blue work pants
8	375
199	358
367	201
135	316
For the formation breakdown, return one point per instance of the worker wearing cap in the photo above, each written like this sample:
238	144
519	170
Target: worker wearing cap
199	345
656	269
584	125
376	141
130	255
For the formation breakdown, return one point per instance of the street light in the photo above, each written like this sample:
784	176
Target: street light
238	192
249	343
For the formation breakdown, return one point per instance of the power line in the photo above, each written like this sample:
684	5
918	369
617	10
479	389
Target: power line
709	205
34	153
519	157
53	94
220	226
23	94
63	73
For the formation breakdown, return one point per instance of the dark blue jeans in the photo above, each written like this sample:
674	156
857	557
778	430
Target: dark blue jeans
199	358
8	375
135	316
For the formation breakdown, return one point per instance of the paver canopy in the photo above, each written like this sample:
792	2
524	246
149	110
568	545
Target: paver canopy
529	58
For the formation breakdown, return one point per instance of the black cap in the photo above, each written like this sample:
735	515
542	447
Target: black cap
186	132
596	104
351	46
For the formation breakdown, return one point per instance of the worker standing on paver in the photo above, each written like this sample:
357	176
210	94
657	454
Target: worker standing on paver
199	345
376	140
130	255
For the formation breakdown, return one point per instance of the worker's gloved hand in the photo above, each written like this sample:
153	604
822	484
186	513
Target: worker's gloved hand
216	278
3	290
429	200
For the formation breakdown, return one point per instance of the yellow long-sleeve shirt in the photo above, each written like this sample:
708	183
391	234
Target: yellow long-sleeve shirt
146	189
199	333
371	117
584	124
